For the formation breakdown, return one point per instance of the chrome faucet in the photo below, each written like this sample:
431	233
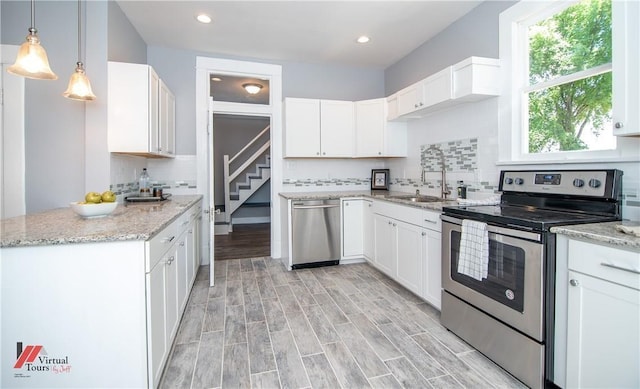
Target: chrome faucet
444	190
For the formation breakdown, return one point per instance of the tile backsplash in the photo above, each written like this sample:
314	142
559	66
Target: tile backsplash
459	155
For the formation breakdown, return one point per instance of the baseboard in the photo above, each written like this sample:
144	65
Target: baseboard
221	229
251	220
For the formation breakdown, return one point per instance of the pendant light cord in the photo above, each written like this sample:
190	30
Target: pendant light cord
33	13
79	31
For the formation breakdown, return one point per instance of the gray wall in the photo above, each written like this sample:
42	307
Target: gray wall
54	126
177	69
125	44
475	34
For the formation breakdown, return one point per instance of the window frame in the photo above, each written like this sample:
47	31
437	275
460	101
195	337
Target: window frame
513	113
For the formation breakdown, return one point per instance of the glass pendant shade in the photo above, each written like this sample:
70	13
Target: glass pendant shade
79	86
32	61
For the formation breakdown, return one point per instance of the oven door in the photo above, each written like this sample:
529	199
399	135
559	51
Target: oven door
513	289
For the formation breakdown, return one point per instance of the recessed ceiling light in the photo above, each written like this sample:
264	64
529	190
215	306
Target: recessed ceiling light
363	39
217	79
203	18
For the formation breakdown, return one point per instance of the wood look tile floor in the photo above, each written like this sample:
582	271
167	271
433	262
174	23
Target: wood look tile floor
346	326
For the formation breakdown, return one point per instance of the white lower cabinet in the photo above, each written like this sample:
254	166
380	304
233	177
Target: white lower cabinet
410	255
385	256
406	247
352	228
367	230
603	317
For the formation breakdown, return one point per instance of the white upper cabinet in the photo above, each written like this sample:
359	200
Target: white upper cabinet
473	79
375	136
337	125
141	111
319	128
302	127
626	77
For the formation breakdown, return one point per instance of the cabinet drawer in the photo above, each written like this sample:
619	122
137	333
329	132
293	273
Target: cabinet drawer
431	220
409	215
604	262
159	244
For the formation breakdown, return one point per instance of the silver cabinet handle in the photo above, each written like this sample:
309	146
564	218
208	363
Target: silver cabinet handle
620	268
619	125
170	260
167	239
424	233
394	224
431	221
181	244
574	282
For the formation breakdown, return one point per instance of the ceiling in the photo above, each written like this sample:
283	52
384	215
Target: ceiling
322	32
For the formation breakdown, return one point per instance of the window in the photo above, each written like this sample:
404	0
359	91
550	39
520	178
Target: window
559	94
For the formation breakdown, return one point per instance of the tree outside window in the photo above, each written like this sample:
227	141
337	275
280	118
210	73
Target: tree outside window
570	82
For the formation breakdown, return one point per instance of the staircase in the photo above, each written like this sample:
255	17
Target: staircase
244	181
253	181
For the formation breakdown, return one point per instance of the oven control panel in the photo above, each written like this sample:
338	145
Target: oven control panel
560	182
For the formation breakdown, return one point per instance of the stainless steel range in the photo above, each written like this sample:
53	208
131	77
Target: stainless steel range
507	313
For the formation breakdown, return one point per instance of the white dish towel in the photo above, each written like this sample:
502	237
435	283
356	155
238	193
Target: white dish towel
474	250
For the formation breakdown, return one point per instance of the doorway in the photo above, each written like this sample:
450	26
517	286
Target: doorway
205	109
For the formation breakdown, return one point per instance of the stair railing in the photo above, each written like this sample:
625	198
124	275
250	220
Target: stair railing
229	177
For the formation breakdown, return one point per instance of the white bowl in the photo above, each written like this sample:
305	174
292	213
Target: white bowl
93	210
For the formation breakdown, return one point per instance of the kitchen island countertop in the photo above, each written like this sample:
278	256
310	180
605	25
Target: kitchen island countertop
378	195
602	233
129	221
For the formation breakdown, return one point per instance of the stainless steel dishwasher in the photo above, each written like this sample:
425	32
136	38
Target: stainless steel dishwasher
315	233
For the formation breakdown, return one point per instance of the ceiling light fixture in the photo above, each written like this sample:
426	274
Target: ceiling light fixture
203	18
79	87
363	39
216	79
32	61
252	88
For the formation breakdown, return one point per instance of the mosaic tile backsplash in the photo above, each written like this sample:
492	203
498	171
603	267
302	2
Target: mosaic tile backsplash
459	155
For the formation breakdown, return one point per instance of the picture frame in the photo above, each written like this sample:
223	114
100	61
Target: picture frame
380	179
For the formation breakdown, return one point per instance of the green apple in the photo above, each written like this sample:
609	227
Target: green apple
108	196
93	198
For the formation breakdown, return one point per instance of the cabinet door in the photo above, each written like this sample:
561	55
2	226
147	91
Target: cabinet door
337	128
154	104
409	256
171	293
370	125
352	228
432	281
626	88
385	245
602	335
302	127
438	88
167	124
157	347
410	99
368	241
181	264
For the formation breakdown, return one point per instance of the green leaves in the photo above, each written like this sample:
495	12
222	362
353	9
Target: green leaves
574	40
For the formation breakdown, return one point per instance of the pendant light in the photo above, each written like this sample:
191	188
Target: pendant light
32	61
79	87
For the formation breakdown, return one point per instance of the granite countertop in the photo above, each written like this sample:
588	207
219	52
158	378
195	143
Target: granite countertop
129	221
378	195
603	233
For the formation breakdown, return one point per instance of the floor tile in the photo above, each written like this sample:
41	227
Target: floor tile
208	371
263	326
235	330
303	334
320	373
235	368
261	357
369	362
180	368
267	380
191	324
347	371
289	362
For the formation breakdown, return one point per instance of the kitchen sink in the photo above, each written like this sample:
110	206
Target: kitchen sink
418	199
